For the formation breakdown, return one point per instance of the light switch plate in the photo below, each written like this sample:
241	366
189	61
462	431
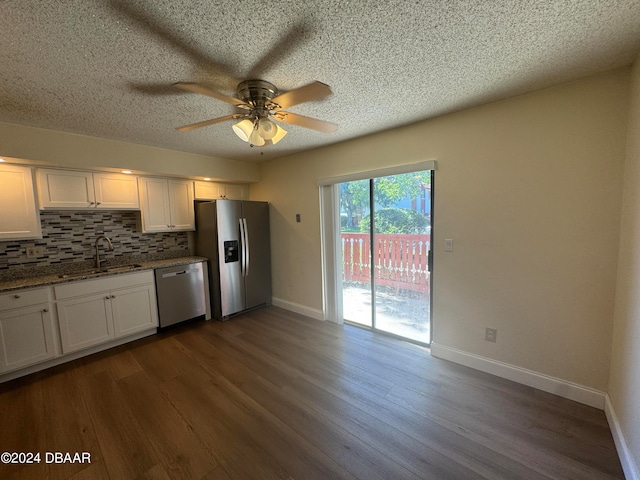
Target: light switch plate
448	244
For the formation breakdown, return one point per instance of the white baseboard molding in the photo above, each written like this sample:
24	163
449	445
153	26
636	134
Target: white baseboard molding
297	308
631	471
546	383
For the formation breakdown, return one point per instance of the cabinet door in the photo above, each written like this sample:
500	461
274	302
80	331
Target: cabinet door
235	192
116	191
85	321
26	337
22	219
154	204
207	191
214	191
181	202
65	189
134	310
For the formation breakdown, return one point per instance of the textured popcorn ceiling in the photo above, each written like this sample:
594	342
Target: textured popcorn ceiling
104	68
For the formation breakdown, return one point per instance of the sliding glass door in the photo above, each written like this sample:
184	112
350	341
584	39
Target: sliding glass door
386	238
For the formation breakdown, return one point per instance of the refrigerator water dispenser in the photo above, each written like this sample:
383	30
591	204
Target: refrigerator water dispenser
231	251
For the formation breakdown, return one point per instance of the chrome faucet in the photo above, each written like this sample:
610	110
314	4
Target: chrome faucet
101	237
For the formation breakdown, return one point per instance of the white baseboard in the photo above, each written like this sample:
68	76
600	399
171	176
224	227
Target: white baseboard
297	308
572	391
631	471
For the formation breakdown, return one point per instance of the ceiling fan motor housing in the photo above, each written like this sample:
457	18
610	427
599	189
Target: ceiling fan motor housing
258	93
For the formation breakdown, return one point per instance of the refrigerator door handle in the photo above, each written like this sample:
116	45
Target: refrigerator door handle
246	247
242	248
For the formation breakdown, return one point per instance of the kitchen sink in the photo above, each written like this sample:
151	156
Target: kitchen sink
117	269
97	271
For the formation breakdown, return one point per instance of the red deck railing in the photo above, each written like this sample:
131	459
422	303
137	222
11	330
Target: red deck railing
400	261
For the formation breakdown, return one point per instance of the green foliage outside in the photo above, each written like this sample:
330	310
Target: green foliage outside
396	220
388	191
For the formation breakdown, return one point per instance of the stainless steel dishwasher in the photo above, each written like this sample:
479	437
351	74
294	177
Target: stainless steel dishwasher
181	293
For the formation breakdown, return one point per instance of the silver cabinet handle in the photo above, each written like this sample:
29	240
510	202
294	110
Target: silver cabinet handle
107	297
16	296
113	296
45	310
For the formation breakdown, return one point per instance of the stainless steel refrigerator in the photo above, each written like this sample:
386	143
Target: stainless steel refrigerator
234	236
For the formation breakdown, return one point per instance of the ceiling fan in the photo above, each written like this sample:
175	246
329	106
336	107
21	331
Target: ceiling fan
259	103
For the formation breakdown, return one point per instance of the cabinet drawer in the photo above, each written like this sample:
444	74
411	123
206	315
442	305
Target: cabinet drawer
104	284
24	298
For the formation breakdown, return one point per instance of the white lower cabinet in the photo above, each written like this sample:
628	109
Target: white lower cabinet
27	332
92	312
85	321
44	324
134	310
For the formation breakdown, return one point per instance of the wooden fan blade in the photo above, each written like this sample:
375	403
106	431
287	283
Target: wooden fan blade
195	88
306	122
313	91
206	123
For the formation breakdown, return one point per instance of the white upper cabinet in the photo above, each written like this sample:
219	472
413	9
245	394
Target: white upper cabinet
181	205
166	205
19	216
116	191
214	191
70	189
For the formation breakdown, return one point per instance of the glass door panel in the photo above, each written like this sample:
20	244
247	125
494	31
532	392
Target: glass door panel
355	237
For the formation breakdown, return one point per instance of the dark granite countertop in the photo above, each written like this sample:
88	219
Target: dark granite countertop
82	271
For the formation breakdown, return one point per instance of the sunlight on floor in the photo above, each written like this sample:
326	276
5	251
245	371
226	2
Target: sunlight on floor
401	313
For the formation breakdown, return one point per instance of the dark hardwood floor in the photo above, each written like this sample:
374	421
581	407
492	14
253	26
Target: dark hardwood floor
273	395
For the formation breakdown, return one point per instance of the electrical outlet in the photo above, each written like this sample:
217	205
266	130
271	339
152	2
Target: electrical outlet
491	334
170	241
34	252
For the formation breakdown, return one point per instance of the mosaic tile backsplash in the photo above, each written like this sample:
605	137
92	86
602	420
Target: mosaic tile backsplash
69	237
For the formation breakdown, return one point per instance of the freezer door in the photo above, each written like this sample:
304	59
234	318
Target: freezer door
230	259
258	267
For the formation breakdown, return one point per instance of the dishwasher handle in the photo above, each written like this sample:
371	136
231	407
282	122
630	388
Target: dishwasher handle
173	274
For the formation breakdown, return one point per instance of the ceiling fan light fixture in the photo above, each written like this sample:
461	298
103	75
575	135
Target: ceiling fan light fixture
267	128
280	133
255	139
243	129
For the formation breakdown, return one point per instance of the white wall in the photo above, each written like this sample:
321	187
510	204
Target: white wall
624	387
81	151
530	191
